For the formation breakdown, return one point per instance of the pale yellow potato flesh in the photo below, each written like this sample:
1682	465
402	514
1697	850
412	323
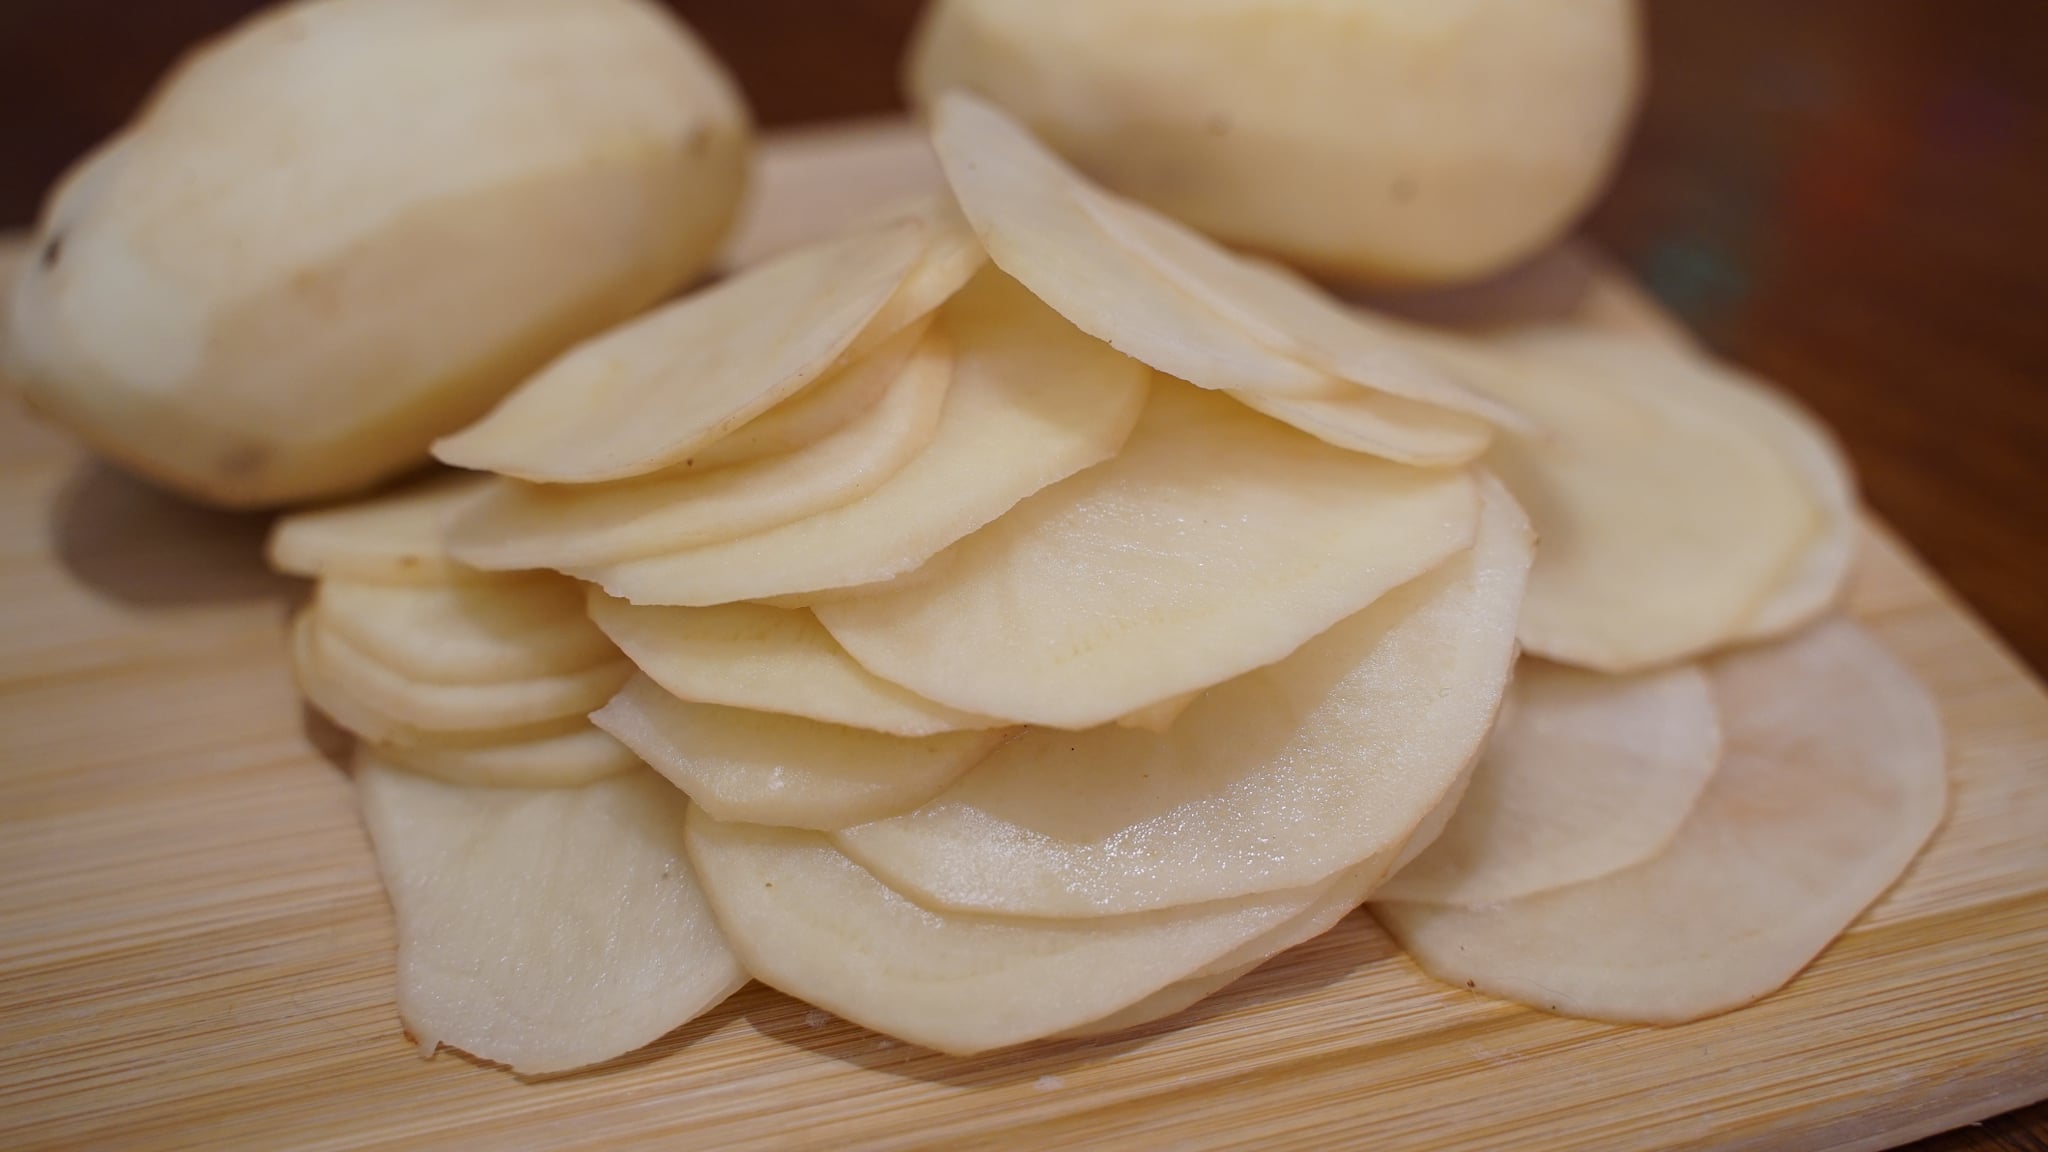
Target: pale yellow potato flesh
807	920
570	759
769	660
1034	400
952	257
544	929
1159	717
767	768
1215	543
648	395
1378	425
517	525
467	633
1030	211
1833	779
1666	518
396	538
1333	759
1584	775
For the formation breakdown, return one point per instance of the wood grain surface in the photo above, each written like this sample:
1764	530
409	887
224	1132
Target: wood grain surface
195	952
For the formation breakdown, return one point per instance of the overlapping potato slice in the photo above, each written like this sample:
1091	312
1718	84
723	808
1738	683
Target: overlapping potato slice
1666	517
470	632
952	256
1159	717
1034	400
396	538
810	922
517	525
568	759
1583	776
1216	542
543	929
648	395
1385	426
766	768
1332	759
770	660
1832	780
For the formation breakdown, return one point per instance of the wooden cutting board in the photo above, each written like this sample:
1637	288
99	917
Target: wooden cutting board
194	951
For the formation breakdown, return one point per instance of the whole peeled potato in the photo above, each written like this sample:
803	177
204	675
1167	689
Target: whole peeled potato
350	226
1421	141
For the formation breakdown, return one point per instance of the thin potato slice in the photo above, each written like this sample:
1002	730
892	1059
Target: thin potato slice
1030	211
807	920
1159	717
396	538
474	632
1216	542
1335	758
517	525
1033	402
1832	781
544	929
770	660
765	768
647	396
952	257
1171	1000
582	755
1583	776
1385	426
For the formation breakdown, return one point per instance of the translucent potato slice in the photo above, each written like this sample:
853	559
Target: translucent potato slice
1216	542
568	759
807	920
1384	426
507	704
951	258
517	525
648	395
1583	776
1159	717
1666	519
473	632
1033	401
1031	213
543	929
1335	758
770	660
765	768
1832	781
396	538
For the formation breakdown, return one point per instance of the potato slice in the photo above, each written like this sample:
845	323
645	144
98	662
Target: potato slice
396	538
1332	759
1666	519
543	929
468	633
647	396
518	525
508	704
1216	542
1159	717
1832	781
770	660
581	755
1033	401
1385	426
810	922
1583	776
765	768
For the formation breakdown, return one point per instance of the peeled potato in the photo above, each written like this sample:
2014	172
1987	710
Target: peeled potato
1334	758
766	768
1583	776
1380	139
1832	781
518	525
529	625
810	922
543	929
1216	542
349	227
581	755
1159	717
396	538
1033	401
770	660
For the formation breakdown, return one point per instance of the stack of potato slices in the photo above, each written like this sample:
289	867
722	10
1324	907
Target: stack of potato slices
1019	617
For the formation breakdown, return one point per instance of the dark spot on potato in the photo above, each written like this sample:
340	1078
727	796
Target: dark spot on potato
1471	983
1403	189
246	460
768	884
53	251
408	561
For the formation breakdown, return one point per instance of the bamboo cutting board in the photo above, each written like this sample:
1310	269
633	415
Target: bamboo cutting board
194	951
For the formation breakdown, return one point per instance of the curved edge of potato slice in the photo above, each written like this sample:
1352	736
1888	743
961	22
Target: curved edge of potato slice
395	538
570	759
469	632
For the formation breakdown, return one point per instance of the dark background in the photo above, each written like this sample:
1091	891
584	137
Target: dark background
1848	196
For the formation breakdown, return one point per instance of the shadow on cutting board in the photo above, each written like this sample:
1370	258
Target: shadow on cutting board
141	546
